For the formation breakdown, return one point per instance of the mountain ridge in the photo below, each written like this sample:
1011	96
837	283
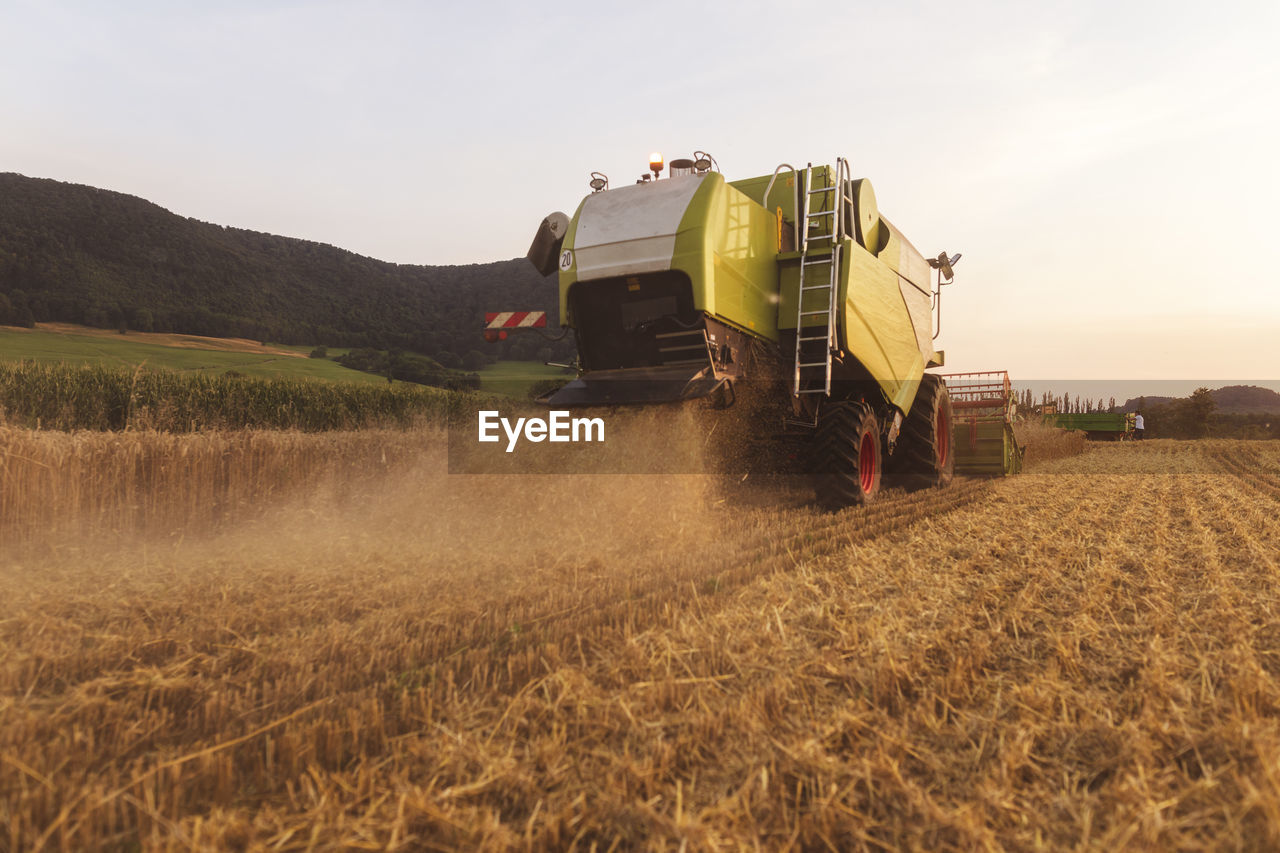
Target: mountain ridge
81	254
1228	400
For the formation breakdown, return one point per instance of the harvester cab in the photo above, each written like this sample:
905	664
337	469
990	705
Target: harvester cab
680	287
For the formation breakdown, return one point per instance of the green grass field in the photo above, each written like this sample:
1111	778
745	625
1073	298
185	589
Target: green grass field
46	346
515	378
129	351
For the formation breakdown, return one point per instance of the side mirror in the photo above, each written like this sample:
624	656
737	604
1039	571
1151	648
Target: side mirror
943	265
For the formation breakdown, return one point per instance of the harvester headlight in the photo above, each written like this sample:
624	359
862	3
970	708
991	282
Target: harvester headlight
655	164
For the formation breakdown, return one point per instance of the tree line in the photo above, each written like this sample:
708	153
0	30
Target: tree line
1195	416
411	367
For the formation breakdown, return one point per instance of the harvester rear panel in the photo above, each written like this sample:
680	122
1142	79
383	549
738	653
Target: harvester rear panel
679	288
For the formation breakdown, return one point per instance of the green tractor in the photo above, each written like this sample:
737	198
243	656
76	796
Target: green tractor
691	286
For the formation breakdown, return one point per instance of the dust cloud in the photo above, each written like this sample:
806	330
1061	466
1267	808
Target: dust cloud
400	511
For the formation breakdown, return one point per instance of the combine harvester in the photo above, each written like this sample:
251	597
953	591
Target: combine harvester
689	286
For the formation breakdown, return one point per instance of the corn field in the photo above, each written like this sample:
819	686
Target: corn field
1084	656
99	397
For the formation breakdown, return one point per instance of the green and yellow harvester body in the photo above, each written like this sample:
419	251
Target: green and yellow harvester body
692	285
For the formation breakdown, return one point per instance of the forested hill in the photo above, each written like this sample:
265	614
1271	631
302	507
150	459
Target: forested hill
84	255
1228	400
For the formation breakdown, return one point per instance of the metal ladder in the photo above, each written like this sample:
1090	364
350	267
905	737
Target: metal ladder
825	227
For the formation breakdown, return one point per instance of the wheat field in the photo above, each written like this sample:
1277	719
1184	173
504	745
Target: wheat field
362	651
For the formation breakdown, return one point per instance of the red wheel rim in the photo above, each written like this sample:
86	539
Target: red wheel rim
867	462
943	439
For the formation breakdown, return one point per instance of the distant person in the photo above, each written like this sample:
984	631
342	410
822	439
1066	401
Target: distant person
1138	426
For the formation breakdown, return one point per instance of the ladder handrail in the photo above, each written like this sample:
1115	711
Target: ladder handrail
842	181
765	200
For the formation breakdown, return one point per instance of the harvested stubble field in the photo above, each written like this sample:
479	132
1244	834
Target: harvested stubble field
1080	657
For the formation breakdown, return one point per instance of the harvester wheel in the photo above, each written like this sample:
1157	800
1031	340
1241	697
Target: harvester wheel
846	451
925	456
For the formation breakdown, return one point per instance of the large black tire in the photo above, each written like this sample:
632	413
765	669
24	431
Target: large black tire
924	457
846	455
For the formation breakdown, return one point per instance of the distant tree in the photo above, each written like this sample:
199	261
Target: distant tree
96	317
526	348
320	352
23	316
392	365
6	310
1199	411
368	360
143	321
449	359
40	308
474	360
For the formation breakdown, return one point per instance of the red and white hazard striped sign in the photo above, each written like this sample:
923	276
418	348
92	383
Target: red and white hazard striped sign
516	320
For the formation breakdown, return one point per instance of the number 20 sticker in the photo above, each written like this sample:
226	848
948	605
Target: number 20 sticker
566	260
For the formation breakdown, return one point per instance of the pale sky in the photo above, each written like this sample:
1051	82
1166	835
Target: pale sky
1109	170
